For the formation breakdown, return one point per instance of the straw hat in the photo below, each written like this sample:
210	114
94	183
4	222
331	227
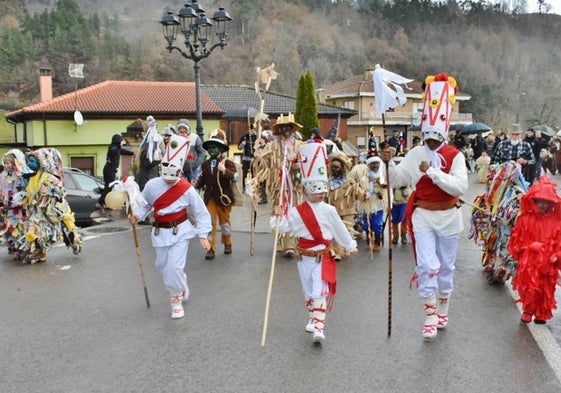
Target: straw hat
283	120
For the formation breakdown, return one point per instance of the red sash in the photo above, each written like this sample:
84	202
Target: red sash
167	198
328	264
426	190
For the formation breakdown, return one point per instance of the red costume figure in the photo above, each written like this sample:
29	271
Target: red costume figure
534	242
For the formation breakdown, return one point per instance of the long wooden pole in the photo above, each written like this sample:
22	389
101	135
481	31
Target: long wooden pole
390	250
139	259
274	258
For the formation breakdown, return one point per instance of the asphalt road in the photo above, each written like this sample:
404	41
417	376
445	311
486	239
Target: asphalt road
80	324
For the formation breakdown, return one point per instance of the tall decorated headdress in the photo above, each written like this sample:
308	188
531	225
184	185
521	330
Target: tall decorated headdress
438	99
174	157
313	160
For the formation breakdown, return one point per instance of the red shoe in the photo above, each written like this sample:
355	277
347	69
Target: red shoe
526	317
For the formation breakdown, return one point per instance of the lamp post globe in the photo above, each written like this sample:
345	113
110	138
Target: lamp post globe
196	27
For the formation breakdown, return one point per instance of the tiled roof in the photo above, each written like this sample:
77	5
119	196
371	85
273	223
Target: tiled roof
134	98
232	97
126	97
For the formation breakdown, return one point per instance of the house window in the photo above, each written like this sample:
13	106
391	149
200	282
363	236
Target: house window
85	164
349	105
361	142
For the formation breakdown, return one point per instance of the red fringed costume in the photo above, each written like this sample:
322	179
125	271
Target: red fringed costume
535	242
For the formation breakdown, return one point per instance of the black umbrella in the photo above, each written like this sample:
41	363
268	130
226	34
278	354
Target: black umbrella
240	113
471	128
545	130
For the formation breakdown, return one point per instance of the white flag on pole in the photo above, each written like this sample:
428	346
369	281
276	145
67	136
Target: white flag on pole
386	96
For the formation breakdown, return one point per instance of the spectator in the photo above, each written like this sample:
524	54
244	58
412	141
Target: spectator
196	155
479	145
247	146
112	160
515	149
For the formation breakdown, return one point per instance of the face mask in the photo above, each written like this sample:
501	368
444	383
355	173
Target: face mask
32	163
214	151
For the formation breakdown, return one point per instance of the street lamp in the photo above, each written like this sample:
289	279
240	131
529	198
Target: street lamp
193	23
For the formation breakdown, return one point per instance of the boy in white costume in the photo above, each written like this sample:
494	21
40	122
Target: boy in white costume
315	223
170	195
438	172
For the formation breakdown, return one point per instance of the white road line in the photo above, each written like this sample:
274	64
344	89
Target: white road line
545	340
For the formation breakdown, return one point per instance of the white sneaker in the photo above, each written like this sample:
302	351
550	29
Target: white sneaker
310	326
318	336
177	311
177	306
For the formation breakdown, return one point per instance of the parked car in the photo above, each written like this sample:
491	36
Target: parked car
82	193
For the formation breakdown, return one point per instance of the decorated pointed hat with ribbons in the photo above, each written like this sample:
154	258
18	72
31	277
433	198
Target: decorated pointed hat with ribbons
313	165
438	99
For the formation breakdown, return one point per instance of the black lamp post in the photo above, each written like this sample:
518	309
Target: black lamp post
192	22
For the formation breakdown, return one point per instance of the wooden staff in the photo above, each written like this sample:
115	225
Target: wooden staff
389	213
139	258
253	212
274	258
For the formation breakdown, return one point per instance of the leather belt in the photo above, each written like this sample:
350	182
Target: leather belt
171	224
318	254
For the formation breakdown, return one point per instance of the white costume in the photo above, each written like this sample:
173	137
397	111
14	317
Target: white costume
316	266
437	218
171	249
172	228
407	172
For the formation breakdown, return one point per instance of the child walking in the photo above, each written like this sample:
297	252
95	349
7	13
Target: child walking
534	242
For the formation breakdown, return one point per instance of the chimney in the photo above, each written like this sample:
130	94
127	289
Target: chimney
45	85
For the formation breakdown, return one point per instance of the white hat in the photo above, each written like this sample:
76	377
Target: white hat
313	160
174	157
370	160
438	99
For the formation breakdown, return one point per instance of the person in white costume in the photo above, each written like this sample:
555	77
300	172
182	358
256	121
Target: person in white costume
315	223
439	174
172	199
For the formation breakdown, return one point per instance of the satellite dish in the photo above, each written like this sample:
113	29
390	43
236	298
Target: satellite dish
78	118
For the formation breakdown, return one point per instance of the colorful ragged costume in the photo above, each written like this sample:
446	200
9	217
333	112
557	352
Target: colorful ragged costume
12	183
493	216
49	218
535	243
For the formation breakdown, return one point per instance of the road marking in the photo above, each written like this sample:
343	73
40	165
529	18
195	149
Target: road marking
543	337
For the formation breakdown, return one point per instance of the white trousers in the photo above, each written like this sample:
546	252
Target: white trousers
310	277
436	257
170	262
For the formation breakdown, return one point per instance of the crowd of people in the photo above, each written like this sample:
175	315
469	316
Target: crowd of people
322	202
